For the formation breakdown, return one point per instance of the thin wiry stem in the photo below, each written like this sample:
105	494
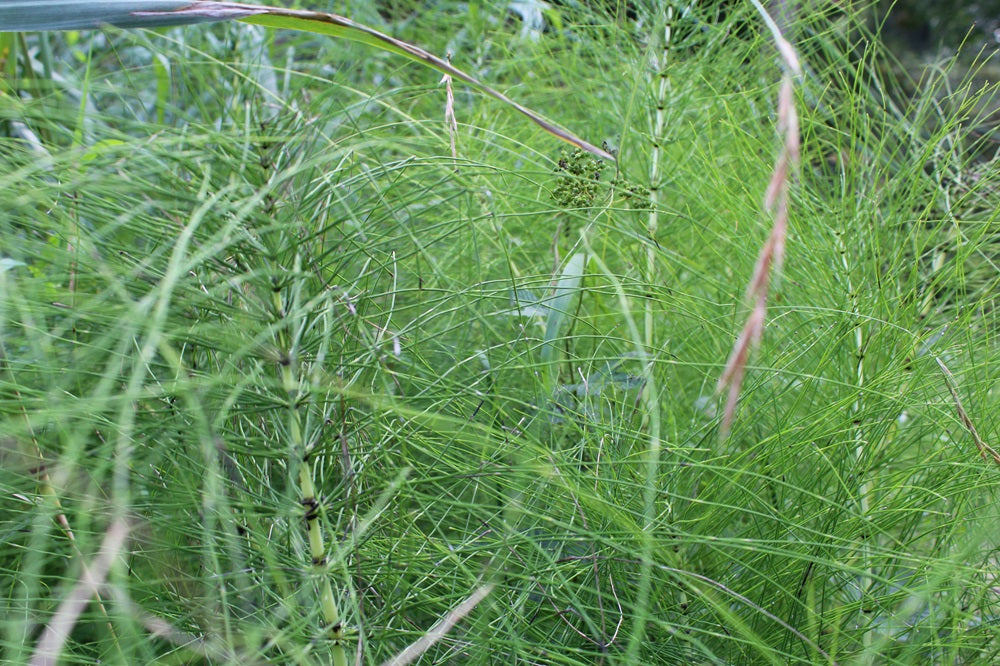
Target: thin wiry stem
659	120
749	603
39	467
865	487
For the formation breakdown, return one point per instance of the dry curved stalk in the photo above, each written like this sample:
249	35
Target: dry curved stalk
92	576
20	15
772	253
985	450
441	628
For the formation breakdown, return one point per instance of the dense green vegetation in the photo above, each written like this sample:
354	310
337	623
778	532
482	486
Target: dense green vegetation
237	265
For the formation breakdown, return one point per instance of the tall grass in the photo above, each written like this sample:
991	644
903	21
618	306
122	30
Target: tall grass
278	279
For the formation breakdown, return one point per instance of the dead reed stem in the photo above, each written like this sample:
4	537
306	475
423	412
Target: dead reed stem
772	253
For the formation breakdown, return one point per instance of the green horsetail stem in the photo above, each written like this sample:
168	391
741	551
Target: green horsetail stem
307	490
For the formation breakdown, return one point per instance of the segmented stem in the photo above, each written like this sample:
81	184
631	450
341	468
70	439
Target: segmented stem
310	502
659	120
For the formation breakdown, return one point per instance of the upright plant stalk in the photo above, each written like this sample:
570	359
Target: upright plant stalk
865	487
651	422
644	346
659	120
288	340
651	491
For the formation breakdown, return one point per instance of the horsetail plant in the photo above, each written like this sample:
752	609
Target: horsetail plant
297	394
658	127
289	372
643	339
23	15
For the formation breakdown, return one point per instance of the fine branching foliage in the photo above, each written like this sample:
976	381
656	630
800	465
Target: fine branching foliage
287	378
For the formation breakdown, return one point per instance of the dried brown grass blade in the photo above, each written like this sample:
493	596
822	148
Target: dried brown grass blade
985	450
439	630
51	643
772	253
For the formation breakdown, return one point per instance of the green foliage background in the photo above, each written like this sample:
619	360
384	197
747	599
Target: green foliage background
228	254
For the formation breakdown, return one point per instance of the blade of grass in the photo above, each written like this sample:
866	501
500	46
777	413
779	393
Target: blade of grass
31	15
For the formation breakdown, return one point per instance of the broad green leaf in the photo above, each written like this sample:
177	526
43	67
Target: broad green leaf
7	263
22	15
161	66
566	288
76	14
